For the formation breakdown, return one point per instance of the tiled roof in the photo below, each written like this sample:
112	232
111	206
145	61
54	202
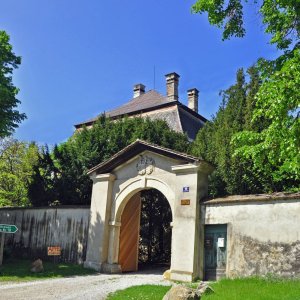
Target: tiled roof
281	196
178	116
137	147
145	101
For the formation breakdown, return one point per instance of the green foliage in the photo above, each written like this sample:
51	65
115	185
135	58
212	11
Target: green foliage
155	230
42	188
281	17
269	144
64	178
275	150
231	14
213	142
17	160
9	116
145	292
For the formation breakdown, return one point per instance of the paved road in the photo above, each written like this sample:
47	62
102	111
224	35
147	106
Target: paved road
79	287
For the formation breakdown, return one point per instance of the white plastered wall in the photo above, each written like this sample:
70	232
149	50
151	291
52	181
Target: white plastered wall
263	236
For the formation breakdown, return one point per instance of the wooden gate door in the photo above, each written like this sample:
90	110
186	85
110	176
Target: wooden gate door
129	235
215	248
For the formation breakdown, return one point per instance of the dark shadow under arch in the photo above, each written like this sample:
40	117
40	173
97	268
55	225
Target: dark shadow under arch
155	230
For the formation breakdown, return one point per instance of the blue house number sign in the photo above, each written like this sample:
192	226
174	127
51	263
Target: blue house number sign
186	189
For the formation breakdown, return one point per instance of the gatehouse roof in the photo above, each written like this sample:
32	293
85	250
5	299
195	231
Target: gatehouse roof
138	147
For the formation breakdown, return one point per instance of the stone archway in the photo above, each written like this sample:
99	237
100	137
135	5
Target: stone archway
133	233
130	188
181	178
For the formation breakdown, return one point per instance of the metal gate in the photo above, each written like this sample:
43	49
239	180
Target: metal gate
215	249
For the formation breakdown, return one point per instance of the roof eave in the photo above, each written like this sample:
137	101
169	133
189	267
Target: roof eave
135	112
119	157
186	108
140	111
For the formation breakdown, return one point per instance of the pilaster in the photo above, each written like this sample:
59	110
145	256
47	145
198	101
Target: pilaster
97	247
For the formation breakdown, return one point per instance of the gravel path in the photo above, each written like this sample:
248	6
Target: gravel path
79	287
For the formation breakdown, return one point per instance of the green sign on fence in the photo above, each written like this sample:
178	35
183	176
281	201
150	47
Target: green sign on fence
8	228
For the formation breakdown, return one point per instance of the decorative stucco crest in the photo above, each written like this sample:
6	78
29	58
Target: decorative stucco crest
145	165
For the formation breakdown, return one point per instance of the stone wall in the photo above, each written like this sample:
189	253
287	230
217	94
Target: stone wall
39	228
263	233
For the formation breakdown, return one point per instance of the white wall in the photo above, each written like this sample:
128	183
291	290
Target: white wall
43	227
263	235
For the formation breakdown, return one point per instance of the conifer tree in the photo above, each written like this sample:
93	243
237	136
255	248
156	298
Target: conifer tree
213	142
71	160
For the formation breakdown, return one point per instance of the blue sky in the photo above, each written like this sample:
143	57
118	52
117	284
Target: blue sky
80	58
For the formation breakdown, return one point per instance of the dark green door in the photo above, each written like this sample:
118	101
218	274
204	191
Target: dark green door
215	248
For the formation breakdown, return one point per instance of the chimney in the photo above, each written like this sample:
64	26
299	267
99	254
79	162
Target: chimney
172	86
193	99
138	90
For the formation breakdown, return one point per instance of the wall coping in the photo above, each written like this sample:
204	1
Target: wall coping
45	207
253	198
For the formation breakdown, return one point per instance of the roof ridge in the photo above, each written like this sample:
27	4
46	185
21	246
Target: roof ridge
151	145
170	150
148	101
137	98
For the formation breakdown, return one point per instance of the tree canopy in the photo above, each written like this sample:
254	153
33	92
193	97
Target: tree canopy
9	116
60	177
17	161
275	150
233	175
272	150
280	17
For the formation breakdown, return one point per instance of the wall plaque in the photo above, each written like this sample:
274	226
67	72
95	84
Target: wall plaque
185	201
145	165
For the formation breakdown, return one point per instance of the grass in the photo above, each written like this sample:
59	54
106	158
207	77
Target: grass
253	288
145	292
19	270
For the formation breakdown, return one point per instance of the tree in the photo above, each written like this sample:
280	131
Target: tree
9	116
213	142
17	160
71	160
273	150
42	189
281	17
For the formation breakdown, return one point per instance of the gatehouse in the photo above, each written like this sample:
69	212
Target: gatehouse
115	205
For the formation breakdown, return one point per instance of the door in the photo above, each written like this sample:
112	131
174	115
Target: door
215	249
129	235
